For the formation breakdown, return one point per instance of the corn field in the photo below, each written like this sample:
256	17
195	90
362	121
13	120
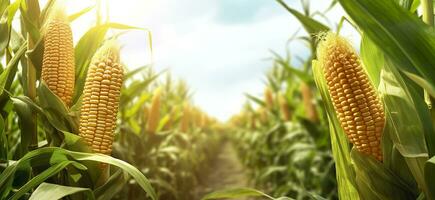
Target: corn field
351	117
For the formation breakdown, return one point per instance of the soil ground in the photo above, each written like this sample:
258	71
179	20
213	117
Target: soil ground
226	171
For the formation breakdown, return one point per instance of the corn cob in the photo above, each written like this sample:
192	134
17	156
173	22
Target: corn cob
101	99
268	98
197	118
238	120
355	100
172	118
285	108
204	120
262	113
307	98
185	120
58	59
146	112
253	121
193	116
154	114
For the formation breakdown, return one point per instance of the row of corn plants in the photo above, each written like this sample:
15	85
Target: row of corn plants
177	144
284	145
284	132
67	108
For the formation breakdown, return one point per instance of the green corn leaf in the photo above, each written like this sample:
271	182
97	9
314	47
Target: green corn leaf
340	146
85	49
372	58
407	131
403	36
311	26
8	75
429	170
38	179
76	15
236	193
112	186
374	181
43	156
55	192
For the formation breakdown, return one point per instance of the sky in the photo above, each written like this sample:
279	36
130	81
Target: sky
221	48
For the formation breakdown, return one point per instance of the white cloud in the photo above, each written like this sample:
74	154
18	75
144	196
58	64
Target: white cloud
221	62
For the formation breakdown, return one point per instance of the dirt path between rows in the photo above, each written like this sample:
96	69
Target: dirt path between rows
227	171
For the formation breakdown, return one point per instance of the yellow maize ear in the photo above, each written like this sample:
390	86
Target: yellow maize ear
185	120
58	59
154	114
204	120
285	108
242	118
268	98
355	100
262	115
101	99
197	118
200	119
146	112
193	115
234	120
307	98
168	125
172	118
253	121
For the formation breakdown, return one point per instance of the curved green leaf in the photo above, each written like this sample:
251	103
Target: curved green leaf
50	191
236	193
340	146
372	58
7	75
41	155
429	172
374	181
311	26
76	15
403	36
85	49
38	179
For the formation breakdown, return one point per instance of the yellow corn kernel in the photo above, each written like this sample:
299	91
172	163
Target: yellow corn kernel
185	120
58	60
172	118
284	107
204	120
197	118
262	113
253	120
268	98
358	107
154	114
101	99
146	112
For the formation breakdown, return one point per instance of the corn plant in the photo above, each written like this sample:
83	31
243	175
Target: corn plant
288	144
